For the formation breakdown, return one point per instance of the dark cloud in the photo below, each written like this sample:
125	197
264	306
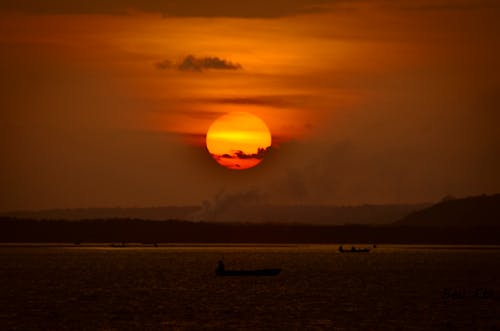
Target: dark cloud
259	155
193	63
258	100
185	8
277	101
241	155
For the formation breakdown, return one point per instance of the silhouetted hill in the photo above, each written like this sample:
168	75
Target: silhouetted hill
481	210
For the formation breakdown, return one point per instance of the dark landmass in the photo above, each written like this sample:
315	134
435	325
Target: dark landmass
151	213
474	220
148	232
474	211
228	211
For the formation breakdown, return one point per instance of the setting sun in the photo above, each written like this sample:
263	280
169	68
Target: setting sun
238	140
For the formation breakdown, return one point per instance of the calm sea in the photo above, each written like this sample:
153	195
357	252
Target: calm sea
174	288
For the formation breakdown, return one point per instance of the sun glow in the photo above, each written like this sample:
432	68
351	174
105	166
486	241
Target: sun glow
238	140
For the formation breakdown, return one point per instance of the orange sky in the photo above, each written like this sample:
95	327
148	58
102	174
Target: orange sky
368	101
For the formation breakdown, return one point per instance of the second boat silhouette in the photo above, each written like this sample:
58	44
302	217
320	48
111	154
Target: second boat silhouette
221	271
353	250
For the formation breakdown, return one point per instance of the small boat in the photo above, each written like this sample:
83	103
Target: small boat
221	271
354	250
257	272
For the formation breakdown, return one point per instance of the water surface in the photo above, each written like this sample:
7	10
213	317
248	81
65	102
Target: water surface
174	288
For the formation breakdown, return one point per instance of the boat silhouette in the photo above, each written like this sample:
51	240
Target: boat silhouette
353	250
222	271
256	272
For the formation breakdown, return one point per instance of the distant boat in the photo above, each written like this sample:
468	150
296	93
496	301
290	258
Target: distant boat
257	272
221	271
354	250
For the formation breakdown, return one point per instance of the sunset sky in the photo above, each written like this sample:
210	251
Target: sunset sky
107	103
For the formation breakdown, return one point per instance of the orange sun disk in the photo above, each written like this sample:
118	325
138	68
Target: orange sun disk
238	140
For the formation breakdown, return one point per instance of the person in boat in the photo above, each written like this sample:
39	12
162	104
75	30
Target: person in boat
220	266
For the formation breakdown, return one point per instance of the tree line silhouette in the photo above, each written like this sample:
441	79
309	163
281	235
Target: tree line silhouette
175	231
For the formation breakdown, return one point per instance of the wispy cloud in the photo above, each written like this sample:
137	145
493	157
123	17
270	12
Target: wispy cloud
165	64
277	101
224	201
193	63
185	8
441	5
